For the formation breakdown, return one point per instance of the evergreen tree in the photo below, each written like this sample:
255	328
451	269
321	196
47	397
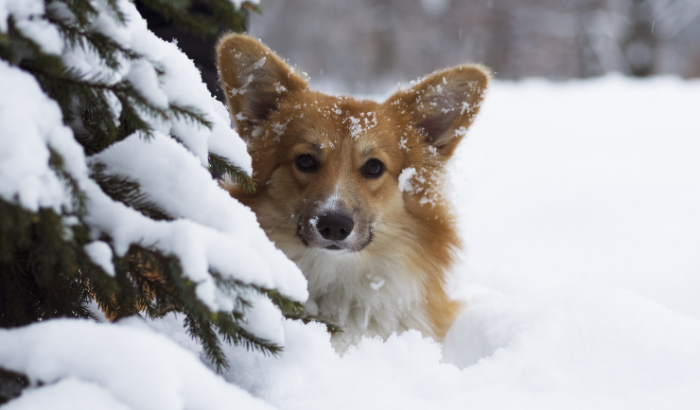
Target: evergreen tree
52	252
196	28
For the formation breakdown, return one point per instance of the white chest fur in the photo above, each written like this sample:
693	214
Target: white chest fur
364	294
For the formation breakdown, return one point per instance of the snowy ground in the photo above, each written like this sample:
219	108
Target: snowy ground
592	183
580	209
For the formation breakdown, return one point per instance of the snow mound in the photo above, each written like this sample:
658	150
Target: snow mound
603	348
564	348
88	365
571	347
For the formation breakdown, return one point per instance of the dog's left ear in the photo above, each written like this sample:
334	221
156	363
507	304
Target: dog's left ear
443	105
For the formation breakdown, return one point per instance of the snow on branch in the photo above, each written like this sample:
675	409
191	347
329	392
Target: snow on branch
113	129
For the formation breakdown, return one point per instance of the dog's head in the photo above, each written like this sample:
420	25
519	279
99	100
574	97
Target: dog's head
339	174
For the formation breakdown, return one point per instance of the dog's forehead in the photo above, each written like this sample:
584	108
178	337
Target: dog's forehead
343	120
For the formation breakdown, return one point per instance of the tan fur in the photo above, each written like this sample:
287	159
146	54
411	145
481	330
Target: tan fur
402	237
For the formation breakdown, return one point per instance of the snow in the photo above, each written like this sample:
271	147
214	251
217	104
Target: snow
199	249
101	254
144	78
575	347
221	143
579	204
225	235
239	3
260	316
405	178
110	366
29	19
591	183
68	393
377	283
31	125
360	126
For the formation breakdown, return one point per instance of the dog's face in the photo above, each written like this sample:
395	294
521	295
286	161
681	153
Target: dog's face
337	174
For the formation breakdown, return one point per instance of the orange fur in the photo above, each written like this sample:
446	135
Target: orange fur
406	239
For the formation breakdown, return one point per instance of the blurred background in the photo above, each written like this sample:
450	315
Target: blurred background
357	46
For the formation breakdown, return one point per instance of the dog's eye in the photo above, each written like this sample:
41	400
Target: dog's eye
373	168
306	163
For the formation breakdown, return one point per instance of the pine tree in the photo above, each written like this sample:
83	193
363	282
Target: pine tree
46	266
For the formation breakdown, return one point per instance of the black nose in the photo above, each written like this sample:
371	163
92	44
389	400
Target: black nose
334	227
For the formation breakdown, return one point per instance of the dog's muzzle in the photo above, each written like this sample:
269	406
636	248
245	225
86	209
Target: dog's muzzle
333	231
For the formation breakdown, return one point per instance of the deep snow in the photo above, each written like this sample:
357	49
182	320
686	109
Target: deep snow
580	208
585	183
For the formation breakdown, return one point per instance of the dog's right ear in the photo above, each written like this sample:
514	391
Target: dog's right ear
254	79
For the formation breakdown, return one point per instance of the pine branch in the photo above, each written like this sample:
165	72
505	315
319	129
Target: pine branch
219	165
289	308
40	258
296	311
126	191
116	12
234	334
190	114
179	13
83	11
201	329
106	48
11	385
228	16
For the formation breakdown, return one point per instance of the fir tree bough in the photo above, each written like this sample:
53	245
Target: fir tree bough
48	262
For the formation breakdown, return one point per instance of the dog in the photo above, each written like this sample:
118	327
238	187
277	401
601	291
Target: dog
351	190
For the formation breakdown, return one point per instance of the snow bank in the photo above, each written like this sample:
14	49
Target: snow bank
87	365
563	348
593	183
571	347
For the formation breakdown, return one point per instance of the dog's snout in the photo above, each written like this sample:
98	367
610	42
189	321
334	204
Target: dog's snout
335	227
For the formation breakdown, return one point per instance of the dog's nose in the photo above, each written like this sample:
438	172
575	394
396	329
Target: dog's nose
334	227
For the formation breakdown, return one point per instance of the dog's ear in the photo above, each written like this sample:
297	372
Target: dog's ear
443	105
254	79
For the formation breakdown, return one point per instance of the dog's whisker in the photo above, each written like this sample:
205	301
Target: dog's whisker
274	228
386	222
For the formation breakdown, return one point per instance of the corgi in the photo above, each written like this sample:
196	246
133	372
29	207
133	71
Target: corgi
351	191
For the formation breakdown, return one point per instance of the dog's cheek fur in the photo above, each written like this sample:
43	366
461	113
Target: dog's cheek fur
427	241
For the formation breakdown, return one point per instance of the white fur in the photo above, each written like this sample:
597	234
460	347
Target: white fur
366	295
332	202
